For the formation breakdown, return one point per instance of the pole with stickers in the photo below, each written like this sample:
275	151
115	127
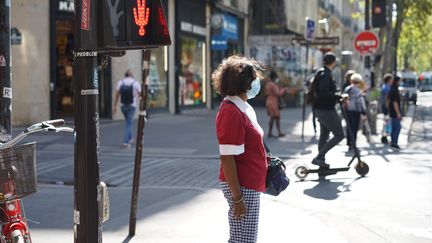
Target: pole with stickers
5	72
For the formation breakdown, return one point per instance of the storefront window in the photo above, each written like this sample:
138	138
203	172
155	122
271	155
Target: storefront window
158	78
191	82
64	51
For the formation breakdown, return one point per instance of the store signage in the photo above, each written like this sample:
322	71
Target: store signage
219	43
230	27
331	41
85	15
16	36
191	28
66	6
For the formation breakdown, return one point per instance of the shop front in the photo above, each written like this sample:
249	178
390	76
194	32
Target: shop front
191	53
62	27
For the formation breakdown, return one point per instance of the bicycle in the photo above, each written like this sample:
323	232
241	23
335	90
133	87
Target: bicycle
18	180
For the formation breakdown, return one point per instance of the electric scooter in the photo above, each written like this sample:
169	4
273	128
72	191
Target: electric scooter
361	167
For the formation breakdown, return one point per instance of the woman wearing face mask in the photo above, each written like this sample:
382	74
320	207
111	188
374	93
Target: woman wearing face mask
273	93
243	158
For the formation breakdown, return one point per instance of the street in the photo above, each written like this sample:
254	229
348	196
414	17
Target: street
180	200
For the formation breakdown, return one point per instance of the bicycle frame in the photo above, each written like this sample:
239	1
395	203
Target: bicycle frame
14	228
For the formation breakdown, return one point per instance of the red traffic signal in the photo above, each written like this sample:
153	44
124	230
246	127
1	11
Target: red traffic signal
133	24
379	16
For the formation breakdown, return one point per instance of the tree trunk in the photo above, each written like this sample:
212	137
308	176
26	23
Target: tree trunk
396	34
386	67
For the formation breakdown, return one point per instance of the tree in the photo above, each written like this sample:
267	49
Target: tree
419	11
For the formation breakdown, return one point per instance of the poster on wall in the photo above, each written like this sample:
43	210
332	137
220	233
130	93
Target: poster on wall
281	54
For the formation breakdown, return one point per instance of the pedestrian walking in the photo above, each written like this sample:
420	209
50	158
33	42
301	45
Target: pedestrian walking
325	110
273	95
347	77
355	108
243	158
128	90
385	90
394	109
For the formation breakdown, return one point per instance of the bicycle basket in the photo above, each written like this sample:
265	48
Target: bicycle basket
17	172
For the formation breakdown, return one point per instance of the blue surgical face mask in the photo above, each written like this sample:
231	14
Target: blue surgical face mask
256	86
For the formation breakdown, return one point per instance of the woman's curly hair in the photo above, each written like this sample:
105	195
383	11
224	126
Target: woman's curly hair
235	75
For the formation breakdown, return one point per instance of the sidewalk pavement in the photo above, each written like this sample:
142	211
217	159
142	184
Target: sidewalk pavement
192	214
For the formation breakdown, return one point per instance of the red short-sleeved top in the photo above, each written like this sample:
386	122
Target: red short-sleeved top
239	134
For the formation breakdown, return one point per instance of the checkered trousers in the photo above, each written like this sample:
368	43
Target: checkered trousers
244	230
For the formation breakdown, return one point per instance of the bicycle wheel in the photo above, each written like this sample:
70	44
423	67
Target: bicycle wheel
17	237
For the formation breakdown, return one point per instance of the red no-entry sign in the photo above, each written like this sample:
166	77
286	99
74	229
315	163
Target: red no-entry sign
366	42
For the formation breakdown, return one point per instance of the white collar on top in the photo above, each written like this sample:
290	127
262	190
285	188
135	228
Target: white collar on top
239	102
247	109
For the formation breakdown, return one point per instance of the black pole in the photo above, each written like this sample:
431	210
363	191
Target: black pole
5	72
304	90
367	27
87	202
139	142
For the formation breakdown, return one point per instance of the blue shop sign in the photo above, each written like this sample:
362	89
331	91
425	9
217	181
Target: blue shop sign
219	42
227	31
230	27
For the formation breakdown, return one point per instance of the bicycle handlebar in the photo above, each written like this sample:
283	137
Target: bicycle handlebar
55	123
50	125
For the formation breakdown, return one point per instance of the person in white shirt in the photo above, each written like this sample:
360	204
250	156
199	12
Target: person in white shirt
128	90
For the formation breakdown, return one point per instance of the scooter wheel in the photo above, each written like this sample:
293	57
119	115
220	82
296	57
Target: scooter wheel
301	172
362	168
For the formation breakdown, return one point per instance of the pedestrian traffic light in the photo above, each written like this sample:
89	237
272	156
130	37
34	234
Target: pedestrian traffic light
379	17
132	24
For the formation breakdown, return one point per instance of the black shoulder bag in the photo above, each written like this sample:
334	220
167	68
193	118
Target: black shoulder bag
277	181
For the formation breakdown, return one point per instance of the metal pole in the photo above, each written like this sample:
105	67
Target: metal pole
87	199
140	141
5	76
367	27
5	72
304	90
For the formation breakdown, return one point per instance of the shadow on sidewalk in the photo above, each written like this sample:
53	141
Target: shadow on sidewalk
328	189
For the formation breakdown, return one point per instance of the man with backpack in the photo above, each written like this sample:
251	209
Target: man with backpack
323	97
128	89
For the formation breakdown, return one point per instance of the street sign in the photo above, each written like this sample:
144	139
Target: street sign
310	30
330	41
366	42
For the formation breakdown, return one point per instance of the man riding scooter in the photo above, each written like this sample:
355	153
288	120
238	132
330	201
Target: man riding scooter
324	105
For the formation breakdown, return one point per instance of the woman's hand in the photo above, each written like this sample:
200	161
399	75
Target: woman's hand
240	210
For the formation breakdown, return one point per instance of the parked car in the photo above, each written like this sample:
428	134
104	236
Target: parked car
408	86
425	82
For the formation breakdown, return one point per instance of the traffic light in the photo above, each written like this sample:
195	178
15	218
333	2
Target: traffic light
379	16
132	24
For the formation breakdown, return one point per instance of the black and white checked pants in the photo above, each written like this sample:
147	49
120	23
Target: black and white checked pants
244	230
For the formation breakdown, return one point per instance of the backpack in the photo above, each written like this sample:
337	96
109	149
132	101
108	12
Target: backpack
126	93
311	92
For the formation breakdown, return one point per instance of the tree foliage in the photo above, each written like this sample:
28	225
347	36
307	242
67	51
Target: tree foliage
415	41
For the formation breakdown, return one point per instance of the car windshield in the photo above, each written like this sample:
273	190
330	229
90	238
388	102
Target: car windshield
408	82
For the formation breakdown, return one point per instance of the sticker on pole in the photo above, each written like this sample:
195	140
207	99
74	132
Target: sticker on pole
7	92
2	61
366	43
85	15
